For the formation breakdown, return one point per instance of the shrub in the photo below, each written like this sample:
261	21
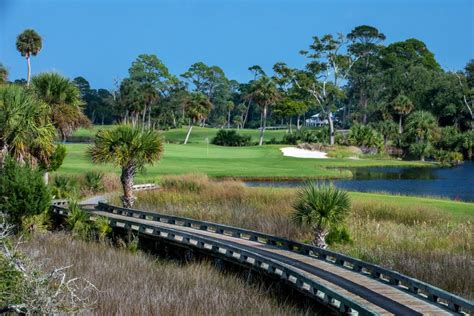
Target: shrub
448	158
365	137
319	135
93	181
338	235
421	150
64	187
231	138
22	191
449	139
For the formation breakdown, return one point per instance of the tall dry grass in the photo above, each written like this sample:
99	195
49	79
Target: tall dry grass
137	284
421	242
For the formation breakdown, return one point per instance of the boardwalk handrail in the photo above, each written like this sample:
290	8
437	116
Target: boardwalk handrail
413	286
235	253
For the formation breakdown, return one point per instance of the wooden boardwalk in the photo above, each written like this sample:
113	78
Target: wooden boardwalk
343	283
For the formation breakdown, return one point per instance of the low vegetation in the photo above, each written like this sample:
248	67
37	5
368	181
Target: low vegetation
424	238
137	284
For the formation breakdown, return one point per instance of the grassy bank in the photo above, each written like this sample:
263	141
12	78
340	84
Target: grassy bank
424	238
137	284
265	162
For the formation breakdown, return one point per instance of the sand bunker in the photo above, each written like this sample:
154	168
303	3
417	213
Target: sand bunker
303	153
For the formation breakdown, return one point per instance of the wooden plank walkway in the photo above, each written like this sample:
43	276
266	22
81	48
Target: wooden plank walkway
357	288
381	298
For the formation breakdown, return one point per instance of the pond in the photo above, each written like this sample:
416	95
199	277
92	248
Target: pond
455	183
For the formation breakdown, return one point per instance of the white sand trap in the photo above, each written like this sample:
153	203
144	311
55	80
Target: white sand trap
303	153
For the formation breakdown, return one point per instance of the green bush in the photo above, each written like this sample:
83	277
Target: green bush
319	135
22	191
448	158
231	138
93	181
365	137
338	235
64	187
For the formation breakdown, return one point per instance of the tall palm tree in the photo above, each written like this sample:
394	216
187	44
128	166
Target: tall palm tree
130	148
264	92
323	207
26	132
403	106
64	99
29	43
421	126
197	107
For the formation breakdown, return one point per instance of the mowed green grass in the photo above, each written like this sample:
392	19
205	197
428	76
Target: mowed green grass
254	162
199	135
460	210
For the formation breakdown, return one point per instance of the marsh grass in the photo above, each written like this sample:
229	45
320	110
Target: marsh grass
138	284
420	241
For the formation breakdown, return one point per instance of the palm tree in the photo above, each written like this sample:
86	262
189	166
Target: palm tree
323	207
26	132
197	107
403	106
3	74
421	126
388	129
467	142
264	92
130	148
64	99
29	43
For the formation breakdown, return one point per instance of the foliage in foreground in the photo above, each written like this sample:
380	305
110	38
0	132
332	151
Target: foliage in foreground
22	191
26	289
138	284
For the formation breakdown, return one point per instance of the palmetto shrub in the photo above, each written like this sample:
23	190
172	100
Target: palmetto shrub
365	137
231	138
93	181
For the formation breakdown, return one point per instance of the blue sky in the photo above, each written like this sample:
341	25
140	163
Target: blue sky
99	39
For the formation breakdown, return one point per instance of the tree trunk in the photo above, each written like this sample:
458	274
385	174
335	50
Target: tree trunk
28	78
400	129
264	123
331	129
298	126
46	177
320	237
228	120
422	158
189	133
127	184
290	125
246	114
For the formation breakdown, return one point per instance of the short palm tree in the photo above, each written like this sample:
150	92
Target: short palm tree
64	99
403	106
29	43
322	207
3	74
421	126
197	107
130	148
264	92
26	132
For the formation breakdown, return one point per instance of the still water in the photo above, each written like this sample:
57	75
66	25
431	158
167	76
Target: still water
455	183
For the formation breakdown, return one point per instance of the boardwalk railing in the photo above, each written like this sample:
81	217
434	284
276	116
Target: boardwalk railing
239	255
413	286
145	186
